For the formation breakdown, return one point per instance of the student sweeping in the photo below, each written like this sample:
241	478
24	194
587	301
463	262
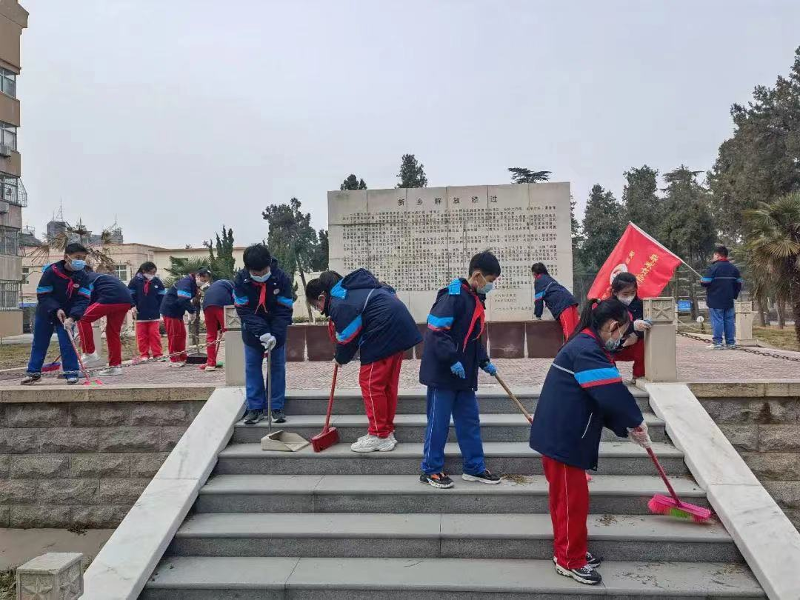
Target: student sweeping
582	393
558	299
62	299
625	288
147	292
368	317
177	302
215	298
262	294
453	352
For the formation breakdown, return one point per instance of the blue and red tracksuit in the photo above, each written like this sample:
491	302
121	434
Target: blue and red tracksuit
368	318
58	289
110	298
455	324
218	295
264	308
723	282
582	393
147	295
635	352
559	301
176	303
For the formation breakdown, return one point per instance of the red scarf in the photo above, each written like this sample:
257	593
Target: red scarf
478	313
146	286
262	295
70	283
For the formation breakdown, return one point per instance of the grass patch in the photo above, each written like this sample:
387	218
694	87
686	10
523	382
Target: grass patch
782	339
7	584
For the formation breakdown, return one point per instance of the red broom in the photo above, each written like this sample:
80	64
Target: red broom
80	361
328	436
674	507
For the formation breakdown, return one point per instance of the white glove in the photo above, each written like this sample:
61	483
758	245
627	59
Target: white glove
268	341
190	317
641	325
69	323
134	312
639	435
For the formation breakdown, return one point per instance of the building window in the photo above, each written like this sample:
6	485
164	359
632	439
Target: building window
8	135
9	294
9	241
12	190
121	271
8	82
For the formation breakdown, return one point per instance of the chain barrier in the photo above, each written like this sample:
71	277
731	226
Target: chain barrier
758	352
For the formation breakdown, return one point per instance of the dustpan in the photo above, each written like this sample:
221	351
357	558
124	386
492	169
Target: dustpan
281	441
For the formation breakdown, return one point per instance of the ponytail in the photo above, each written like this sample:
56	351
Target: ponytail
597	313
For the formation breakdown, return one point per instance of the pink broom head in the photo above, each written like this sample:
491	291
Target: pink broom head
664	505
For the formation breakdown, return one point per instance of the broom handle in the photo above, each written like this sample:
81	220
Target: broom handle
269	391
513	397
330	400
663	475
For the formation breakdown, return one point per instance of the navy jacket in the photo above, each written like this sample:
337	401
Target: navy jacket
368	317
263	307
582	393
60	288
453	337
636	310
723	282
178	299
548	291
219	293
146	297
107	289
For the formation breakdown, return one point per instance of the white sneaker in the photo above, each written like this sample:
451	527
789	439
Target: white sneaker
210	368
716	347
373	443
177	365
91	360
110	372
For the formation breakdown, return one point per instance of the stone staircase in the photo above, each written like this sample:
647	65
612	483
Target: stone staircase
339	525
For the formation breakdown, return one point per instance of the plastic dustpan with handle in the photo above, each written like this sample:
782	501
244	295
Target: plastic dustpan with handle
282	441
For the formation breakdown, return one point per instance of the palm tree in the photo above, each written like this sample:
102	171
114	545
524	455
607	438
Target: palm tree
774	240
54	246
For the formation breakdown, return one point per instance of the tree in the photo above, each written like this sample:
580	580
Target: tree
523	175
353	183
54	246
319	260
179	267
412	173
642	204
222	264
603	224
773	237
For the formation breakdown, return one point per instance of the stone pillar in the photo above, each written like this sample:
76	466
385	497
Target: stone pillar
660	361
234	348
744	323
52	576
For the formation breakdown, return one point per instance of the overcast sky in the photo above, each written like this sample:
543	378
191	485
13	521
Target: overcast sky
177	116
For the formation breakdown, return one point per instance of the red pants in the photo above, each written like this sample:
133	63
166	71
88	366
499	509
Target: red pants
176	339
379	384
215	326
569	510
115	317
148	338
633	353
569	318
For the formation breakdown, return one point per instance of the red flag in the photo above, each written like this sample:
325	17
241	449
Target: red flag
639	254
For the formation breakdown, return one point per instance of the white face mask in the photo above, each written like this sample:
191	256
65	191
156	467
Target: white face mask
149	276
626	300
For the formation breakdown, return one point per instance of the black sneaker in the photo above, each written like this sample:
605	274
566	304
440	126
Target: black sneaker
437	480
253	416
278	416
591	560
586	575
485	477
31	379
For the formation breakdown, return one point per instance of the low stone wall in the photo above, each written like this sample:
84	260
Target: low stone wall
79	457
762	421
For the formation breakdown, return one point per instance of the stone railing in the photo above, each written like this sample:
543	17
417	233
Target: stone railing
80	457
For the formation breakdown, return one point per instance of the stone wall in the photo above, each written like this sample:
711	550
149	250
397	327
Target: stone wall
79	457
762	421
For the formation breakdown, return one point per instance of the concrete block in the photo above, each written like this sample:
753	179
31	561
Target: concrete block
69	439
121	491
101	465
192	393
100	415
544	338
147	465
68	491
743	437
170	436
5	465
779	438
19	440
318	343
149	393
98	517
33	395
17	491
39	467
296	343
39	516
234	358
777	411
773	466
5	515
130	439
785	493
37	415
52	576
167	413
507	340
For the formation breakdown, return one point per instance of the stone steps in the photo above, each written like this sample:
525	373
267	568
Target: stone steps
380	535
411	428
614	494
616	458
251	578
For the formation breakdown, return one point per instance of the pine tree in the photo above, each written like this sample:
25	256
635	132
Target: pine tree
412	173
523	175
603	224
352	182
642	204
222	264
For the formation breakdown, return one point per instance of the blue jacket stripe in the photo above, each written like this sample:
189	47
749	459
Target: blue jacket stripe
241	301
44	289
539	296
439	323
85	292
184	294
350	332
706	279
162	292
593	376
286	301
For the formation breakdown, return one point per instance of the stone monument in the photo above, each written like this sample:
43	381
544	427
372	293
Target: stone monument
418	239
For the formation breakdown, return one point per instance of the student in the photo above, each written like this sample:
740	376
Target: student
452	353
62	299
559	300
625	288
723	282
582	393
262	294
368	317
147	292
215	298
176	303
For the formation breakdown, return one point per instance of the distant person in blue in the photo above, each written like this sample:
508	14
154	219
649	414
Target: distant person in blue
582	393
452	353
263	297
723	282
147	292
216	297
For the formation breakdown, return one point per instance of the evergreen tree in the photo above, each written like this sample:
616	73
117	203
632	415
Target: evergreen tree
222	264
642	205
523	175
603	224
412	173
353	183
319	260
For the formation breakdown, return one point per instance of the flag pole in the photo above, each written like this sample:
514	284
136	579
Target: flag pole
655	241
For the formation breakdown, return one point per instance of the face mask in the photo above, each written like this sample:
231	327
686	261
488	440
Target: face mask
205	286
612	344
77	264
485	289
149	277
626	300
260	278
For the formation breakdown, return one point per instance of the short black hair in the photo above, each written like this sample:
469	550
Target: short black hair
204	272
486	263
257	257
75	248
539	269
623	280
147	266
722	251
321	285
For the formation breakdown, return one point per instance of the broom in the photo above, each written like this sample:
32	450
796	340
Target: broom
80	361
513	397
328	436
674	507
